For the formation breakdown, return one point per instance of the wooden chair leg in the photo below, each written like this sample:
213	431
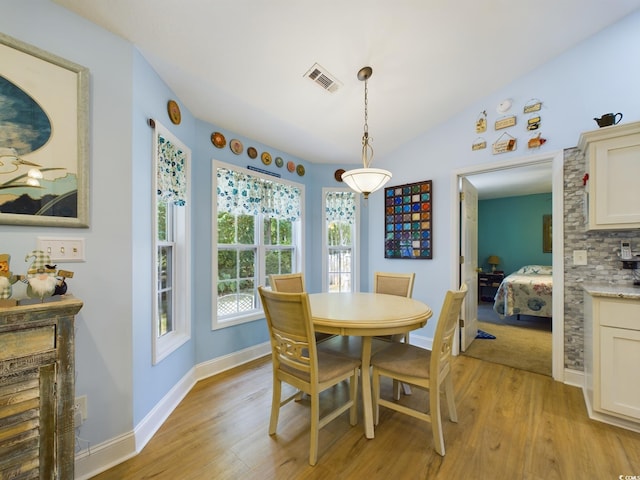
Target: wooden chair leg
353	395
436	419
275	406
451	403
375	382
315	426
396	389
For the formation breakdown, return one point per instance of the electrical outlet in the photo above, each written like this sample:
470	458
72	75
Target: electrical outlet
580	257
62	249
80	410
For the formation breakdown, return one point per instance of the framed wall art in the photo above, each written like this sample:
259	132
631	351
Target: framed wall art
44	117
408	221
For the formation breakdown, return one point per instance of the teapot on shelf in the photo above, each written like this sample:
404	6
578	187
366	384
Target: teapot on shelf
608	119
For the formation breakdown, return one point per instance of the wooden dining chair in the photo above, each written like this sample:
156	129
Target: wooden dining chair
297	361
292	283
427	369
287	282
400	284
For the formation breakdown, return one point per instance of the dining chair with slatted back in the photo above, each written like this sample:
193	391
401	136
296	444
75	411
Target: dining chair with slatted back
287	282
400	284
297	362
292	283
426	369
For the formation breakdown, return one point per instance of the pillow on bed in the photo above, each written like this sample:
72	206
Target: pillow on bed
536	270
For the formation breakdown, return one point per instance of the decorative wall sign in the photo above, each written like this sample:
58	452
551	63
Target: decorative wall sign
537	141
533	123
505	122
505	143
533	105
479	144
481	122
408	221
262	170
44	158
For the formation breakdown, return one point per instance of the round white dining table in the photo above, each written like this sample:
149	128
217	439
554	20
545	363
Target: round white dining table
366	315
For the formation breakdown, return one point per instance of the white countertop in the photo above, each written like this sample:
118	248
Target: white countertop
617	291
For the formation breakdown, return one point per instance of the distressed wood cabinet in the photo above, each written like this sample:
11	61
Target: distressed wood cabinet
37	390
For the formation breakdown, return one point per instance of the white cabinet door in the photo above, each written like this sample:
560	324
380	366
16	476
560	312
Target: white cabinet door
616	173
619	377
612	154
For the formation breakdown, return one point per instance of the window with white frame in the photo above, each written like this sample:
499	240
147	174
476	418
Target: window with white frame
340	234
258	232
171	312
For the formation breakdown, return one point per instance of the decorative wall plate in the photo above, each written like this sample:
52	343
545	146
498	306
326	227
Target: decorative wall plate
279	162
236	146
338	174
300	170
291	166
218	140
266	158
252	152
504	105
174	112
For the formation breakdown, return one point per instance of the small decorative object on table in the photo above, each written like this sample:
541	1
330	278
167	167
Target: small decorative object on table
41	277
7	279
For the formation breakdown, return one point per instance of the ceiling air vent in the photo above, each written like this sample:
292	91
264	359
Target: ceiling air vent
323	78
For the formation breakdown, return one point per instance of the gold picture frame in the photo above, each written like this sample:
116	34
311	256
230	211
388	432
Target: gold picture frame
547	234
44	138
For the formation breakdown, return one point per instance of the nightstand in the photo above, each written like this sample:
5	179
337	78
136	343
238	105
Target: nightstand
488	284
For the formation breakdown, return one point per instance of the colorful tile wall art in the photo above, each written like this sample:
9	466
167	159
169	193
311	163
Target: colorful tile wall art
408	221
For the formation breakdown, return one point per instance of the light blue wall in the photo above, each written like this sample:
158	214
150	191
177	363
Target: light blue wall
574	87
114	327
511	228
113	342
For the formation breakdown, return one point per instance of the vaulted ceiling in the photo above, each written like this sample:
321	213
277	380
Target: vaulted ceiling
241	64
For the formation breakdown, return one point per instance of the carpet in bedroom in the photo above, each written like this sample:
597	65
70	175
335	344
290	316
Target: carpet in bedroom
524	344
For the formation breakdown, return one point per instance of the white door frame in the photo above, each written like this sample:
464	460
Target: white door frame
557	160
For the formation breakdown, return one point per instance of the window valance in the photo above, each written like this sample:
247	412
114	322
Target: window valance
243	194
171	171
340	207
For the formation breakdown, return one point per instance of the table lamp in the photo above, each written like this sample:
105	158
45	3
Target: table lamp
493	260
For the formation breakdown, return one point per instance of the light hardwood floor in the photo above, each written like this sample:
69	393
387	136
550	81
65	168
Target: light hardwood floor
512	425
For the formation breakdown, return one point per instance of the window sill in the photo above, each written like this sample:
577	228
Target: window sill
237	320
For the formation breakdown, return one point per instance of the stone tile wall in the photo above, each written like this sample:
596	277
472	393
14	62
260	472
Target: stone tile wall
602	248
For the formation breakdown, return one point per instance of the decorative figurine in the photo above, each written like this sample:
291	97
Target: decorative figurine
6	277
41	277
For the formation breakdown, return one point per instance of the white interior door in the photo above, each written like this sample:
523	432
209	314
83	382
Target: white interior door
469	267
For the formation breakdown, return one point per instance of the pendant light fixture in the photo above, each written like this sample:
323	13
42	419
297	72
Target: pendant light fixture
366	180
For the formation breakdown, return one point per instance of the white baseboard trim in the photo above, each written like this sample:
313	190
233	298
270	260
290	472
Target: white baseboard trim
95	460
573	377
420	341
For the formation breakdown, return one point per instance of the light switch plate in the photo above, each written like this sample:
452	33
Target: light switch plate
62	249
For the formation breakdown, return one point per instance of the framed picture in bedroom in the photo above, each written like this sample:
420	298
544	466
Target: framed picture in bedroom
408	221
44	137
547	234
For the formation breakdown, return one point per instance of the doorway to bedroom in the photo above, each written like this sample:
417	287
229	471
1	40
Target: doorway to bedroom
513	200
